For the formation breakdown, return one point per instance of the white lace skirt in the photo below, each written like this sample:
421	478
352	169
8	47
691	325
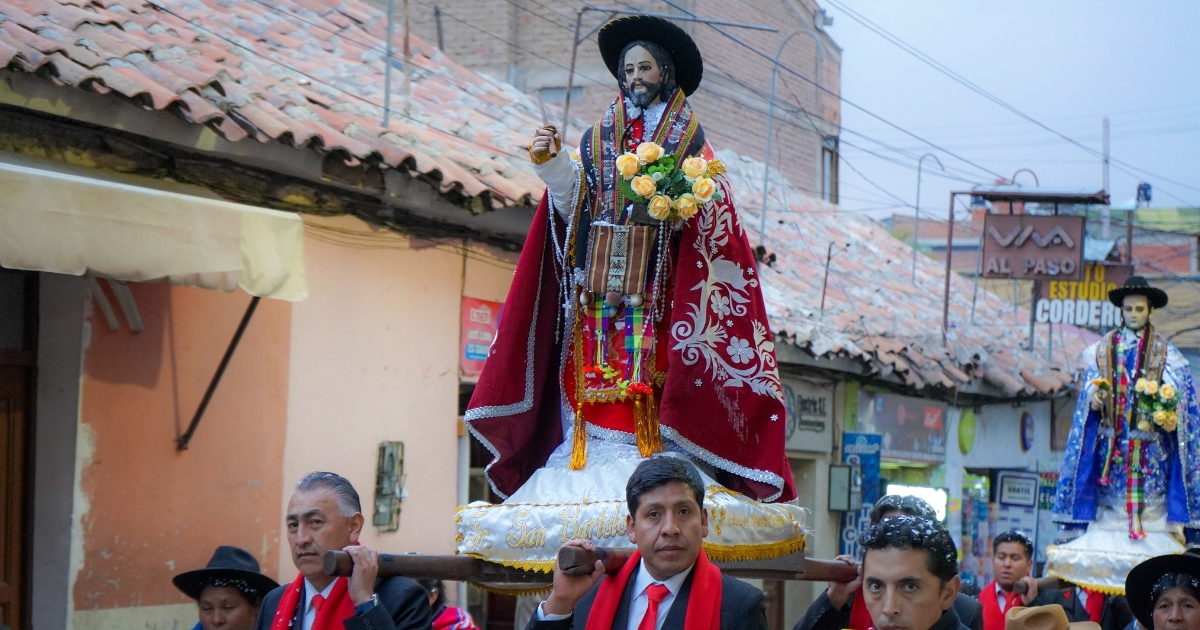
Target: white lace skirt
1102	557
557	504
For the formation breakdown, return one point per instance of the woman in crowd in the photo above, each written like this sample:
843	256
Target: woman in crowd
227	591
445	617
1164	592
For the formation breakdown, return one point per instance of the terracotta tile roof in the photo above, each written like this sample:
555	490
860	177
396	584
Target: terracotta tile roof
873	311
304	72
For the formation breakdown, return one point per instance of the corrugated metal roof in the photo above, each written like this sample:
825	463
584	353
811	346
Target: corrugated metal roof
876	314
306	73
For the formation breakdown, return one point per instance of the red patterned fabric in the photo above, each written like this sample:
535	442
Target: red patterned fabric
721	401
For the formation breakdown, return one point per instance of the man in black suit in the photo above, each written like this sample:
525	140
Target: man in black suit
1012	563
839	605
910	575
325	514
1114	612
669	579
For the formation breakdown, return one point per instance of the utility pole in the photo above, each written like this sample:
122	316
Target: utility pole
1105	212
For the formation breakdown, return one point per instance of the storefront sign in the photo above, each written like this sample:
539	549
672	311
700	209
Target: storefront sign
1018	489
480	319
1031	247
913	429
863	450
809	415
1083	302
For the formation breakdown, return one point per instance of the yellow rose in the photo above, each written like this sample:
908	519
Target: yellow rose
660	207
627	165
1166	393
1143	425
648	152
694	168
704	188
687	205
643	185
1160	417
1151	388
1140	385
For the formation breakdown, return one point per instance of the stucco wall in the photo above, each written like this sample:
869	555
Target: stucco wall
145	511
374	358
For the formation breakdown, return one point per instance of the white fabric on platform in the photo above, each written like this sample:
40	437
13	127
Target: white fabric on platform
1102	557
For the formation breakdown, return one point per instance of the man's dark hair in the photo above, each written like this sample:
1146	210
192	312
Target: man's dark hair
905	504
661	57
1014	536
915	532
659	471
429	584
347	496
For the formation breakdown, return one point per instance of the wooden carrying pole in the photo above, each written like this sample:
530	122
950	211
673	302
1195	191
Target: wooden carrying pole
577	561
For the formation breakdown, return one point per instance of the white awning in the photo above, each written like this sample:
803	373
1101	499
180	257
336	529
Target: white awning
74	220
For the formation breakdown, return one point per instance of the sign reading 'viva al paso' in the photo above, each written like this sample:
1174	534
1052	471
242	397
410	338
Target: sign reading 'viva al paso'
1029	247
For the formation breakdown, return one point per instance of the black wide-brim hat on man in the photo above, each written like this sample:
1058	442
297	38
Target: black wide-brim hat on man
229	566
685	56
1137	285
1139	584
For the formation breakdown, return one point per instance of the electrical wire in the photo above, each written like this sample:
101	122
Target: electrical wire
940	67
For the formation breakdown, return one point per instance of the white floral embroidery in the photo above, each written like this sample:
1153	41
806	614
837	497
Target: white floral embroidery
739	350
774	417
699	382
700	335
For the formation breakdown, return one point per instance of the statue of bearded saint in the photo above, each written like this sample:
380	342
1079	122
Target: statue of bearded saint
1129	473
634	327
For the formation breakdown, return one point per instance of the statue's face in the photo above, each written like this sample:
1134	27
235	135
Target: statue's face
1136	310
643	77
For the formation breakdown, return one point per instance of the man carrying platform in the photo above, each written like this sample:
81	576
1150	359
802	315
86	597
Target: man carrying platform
910	575
668	583
1012	563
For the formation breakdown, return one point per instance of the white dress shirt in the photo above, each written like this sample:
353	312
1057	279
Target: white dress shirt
310	613
639	601
1000	599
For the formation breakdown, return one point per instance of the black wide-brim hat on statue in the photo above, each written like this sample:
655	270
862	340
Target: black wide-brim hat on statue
228	566
685	56
1137	285
1139	584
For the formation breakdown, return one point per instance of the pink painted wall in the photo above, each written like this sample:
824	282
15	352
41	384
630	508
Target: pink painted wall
374	357
148	511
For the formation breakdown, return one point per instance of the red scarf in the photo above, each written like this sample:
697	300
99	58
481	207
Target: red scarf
337	607
993	617
1094	605
860	617
703	606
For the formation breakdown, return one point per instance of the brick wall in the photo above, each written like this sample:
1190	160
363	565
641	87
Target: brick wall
731	104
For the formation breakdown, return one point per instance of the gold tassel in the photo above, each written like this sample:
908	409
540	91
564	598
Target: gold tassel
579	446
645	419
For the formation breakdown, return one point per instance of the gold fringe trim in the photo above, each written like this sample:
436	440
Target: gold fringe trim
715	167
515	592
1107	590
750	553
537	566
579	445
645	420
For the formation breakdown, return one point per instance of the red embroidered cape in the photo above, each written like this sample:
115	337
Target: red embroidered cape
721	402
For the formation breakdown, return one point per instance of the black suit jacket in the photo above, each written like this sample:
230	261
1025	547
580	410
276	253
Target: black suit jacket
403	605
742	608
823	616
1116	615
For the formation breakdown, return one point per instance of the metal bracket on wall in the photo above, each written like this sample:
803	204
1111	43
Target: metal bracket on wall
182	442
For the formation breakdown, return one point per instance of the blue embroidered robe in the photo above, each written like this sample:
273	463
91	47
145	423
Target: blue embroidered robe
1172	476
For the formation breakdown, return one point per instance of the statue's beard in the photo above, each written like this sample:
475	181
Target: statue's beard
643	99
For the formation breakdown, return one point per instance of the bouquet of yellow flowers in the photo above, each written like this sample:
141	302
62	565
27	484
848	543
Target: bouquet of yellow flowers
1156	402
671	191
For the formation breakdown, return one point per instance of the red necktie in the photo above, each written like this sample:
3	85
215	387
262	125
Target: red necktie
1094	605
317	602
655	593
1010	600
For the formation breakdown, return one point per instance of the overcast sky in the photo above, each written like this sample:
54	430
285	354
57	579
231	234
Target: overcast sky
1066	63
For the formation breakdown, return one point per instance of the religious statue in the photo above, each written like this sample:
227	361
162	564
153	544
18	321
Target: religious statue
1130	472
634	326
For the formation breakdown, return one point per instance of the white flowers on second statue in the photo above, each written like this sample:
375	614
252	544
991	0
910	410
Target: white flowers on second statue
739	350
